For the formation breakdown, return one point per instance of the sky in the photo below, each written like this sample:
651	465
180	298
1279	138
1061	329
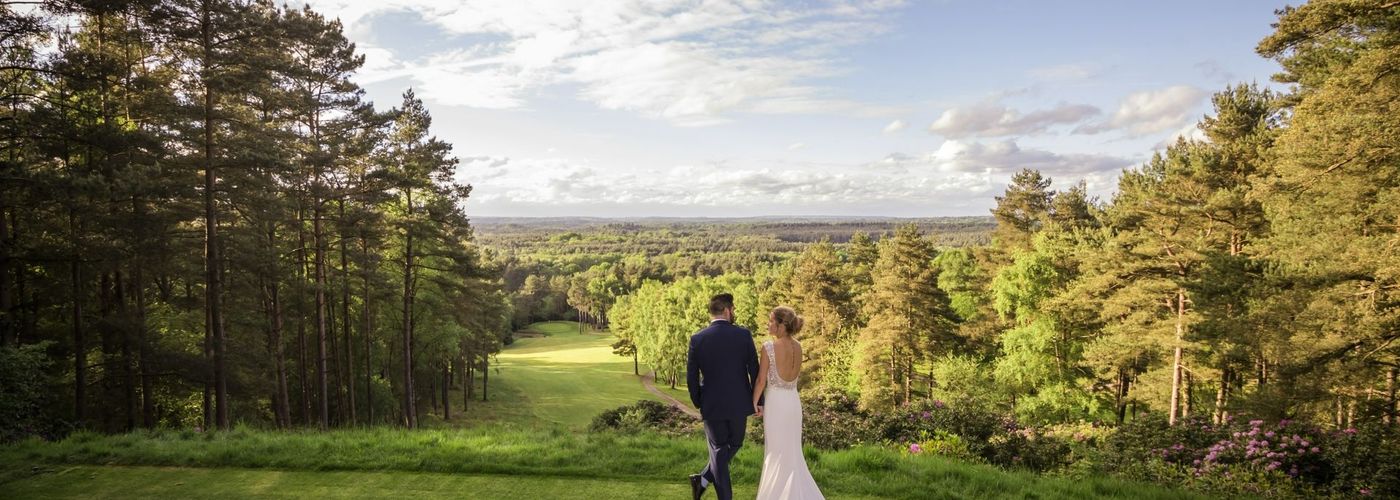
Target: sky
728	108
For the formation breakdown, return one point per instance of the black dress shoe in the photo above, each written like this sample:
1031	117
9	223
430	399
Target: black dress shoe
696	490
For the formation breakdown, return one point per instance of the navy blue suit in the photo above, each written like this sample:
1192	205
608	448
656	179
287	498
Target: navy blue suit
721	371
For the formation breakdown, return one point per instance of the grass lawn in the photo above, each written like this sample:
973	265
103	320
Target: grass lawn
520	463
563	378
173	482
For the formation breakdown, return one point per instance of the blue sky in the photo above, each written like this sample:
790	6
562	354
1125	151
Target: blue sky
751	107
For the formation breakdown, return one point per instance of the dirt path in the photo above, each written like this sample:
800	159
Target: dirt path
649	380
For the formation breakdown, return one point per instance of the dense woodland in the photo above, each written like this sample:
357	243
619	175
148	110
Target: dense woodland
204	221
575	268
1254	273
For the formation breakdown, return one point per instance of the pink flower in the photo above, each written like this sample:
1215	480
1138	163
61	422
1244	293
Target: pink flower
915	448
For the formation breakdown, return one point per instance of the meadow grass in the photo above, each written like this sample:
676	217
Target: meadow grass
546	455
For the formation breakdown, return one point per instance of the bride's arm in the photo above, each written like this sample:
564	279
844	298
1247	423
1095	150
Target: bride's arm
760	384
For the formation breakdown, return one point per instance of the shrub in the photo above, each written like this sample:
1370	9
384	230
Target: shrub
25	394
833	420
645	415
1364	461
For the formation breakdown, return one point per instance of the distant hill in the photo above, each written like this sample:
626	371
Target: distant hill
838	229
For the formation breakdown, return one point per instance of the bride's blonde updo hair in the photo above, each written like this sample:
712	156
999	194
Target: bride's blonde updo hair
788	318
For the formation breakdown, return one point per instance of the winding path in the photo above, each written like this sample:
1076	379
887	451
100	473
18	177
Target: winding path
649	380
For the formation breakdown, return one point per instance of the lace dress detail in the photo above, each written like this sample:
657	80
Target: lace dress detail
775	380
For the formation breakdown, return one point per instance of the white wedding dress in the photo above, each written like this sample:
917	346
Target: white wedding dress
785	474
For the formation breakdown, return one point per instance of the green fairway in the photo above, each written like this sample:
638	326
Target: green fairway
563	378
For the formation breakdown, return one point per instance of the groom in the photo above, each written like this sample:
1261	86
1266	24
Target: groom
721	370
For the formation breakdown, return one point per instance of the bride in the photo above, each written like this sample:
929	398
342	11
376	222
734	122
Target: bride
785	475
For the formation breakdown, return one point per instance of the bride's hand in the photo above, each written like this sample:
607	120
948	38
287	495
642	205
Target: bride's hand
757	411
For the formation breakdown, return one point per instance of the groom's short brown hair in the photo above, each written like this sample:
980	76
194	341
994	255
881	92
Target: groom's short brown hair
721	302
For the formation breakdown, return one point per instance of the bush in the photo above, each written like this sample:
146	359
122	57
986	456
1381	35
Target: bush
1255	457
1364	461
645	415
25	394
1027	448
833	420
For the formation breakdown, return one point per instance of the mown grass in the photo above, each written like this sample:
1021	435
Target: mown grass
546	455
561	379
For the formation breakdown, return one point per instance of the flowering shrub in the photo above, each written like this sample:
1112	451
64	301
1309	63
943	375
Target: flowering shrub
1286	447
1255	457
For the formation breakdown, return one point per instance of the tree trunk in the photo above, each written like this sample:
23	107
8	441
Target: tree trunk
345	321
365	320
466	383
282	405
446	385
485	375
213	259
319	284
410	417
7	314
1121	397
304	378
79	345
128	359
1176	358
1222	395
143	340
1392	413
471	377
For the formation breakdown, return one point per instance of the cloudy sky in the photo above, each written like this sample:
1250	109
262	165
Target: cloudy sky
825	107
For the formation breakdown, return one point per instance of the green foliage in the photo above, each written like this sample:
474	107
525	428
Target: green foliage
660	318
25	395
910	319
645	416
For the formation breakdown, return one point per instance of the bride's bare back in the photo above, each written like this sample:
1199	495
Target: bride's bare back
788	358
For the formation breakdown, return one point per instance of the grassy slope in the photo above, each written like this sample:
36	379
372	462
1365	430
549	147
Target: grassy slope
166	482
523	443
564	378
545	459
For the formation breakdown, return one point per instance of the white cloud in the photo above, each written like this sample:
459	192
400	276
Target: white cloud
796	146
895	126
1151	111
957	175
691	62
991	119
1190	132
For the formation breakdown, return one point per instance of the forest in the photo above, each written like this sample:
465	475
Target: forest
205	222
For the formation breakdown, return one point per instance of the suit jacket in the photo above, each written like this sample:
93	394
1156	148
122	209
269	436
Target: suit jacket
721	370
